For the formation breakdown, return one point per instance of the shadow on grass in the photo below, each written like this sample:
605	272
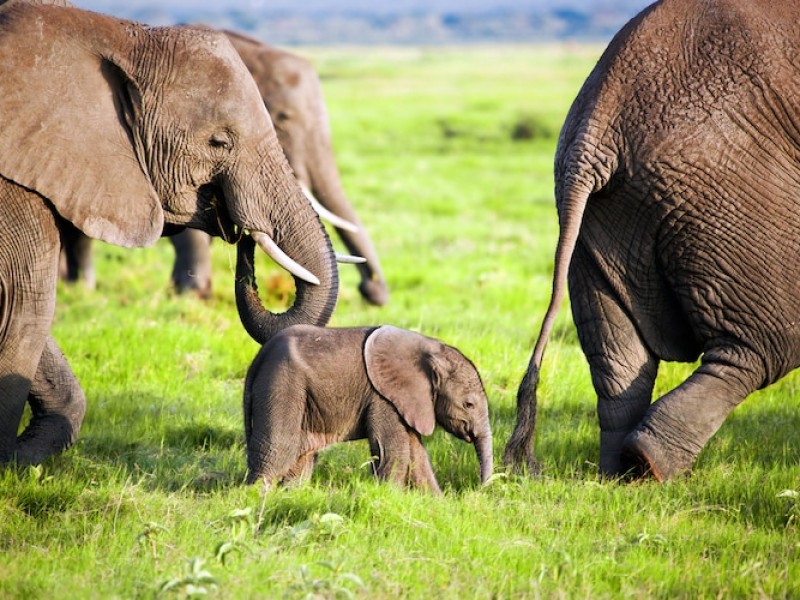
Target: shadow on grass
761	434
198	458
142	438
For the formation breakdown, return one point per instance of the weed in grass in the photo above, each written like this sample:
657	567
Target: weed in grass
792	507
319	527
333	582
148	539
193	583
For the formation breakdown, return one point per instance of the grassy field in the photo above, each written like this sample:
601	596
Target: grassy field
150	501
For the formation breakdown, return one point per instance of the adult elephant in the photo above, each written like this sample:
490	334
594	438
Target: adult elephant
677	187
123	131
292	93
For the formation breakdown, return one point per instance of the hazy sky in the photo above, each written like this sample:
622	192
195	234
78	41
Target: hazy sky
372	6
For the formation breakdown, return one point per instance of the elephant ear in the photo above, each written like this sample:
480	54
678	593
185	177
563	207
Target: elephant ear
398	368
65	107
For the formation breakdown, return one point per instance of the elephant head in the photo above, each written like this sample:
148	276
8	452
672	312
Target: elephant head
127	130
293	96
429	382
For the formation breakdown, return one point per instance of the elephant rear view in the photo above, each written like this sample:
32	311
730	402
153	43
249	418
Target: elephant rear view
310	387
678	195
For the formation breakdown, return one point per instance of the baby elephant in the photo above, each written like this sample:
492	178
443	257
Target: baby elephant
310	387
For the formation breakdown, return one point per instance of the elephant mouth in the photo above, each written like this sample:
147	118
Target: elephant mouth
214	217
467	434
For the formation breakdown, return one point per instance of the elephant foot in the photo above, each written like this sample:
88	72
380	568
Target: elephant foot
189	283
58	406
374	291
645	455
45	436
612	465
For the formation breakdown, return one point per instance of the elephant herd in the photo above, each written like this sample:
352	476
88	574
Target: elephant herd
677	174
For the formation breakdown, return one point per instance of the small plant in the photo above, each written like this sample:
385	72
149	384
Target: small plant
194	582
651	539
240	521
334	583
35	472
318	527
792	507
147	538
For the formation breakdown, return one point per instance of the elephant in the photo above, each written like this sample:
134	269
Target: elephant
293	96
676	184
127	132
310	387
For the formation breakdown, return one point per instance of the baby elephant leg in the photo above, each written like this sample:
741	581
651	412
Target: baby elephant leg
421	471
275	445
393	456
402	459
302	470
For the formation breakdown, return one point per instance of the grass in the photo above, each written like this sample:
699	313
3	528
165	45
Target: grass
150	501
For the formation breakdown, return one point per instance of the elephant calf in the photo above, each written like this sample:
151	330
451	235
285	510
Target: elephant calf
310	387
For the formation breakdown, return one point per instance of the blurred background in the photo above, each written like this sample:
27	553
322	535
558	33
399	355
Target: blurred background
359	22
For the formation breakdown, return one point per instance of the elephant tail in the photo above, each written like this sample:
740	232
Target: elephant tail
518	453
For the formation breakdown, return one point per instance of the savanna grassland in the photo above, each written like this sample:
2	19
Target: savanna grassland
447	155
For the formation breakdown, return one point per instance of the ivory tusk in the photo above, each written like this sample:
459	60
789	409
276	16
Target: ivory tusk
267	244
324	213
350	259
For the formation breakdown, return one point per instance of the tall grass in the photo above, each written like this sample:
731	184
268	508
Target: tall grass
151	500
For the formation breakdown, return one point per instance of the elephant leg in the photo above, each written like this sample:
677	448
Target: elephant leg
389	443
393	462
301	471
29	258
14	388
679	424
373	287
421	472
276	440
623	369
77	255
58	405
192	267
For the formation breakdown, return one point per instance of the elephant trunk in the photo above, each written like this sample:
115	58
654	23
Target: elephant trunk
483	448
327	188
300	235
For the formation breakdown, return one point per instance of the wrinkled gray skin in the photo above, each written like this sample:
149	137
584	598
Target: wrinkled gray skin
293	96
123	131
678	194
311	387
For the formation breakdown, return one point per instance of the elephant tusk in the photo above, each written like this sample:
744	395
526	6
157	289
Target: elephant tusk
324	213
268	245
350	259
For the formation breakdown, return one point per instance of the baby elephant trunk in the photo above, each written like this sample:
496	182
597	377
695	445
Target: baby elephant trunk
483	448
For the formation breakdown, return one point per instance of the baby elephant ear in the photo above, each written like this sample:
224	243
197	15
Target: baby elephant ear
397	367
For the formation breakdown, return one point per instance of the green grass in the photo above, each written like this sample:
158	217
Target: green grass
151	501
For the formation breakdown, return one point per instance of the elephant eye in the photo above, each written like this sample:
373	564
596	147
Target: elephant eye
222	140
469	405
282	116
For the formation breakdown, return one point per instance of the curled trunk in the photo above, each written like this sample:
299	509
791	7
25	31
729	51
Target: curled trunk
313	304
